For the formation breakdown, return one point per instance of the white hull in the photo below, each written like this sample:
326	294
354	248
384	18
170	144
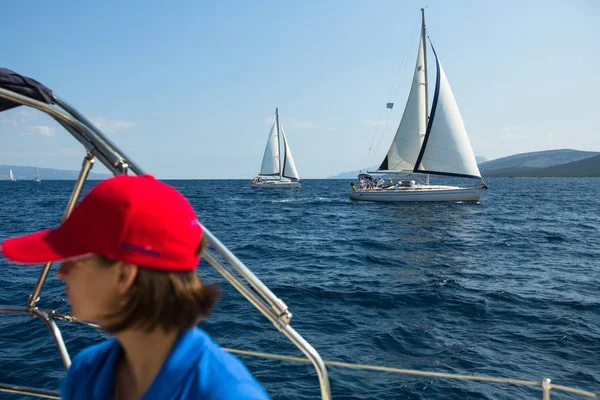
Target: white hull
276	185
419	193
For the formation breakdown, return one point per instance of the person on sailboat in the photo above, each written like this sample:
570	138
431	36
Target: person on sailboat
129	253
389	184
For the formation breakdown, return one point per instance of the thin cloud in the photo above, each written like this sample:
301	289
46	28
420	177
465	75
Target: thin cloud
112	125
42	130
15	119
25	121
8	121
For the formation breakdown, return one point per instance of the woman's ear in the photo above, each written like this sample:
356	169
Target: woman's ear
127	274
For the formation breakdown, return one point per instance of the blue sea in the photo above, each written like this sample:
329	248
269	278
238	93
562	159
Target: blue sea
509	287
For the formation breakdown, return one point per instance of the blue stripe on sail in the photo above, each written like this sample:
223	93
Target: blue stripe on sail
384	164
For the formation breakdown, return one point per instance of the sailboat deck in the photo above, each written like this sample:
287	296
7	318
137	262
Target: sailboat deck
419	192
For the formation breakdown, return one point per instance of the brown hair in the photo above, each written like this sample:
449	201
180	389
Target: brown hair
167	300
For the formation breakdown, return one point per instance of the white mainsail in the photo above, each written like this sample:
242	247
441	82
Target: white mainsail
289	166
447	149
270	161
405	147
12	177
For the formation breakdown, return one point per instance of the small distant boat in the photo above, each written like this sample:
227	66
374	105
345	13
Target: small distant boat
276	173
434	144
37	178
12	176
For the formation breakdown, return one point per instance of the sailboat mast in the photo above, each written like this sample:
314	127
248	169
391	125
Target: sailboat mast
424	41
278	143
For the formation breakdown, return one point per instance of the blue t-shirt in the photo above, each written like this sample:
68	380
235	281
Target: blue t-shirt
196	368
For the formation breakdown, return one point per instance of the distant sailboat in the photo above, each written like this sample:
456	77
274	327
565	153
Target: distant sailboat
436	144
37	178
12	176
275	172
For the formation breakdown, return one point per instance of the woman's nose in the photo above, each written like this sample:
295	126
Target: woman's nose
63	270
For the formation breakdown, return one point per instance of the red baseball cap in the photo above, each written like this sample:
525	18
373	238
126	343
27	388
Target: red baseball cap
135	219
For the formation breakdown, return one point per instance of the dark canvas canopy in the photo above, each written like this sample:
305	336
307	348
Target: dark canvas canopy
23	85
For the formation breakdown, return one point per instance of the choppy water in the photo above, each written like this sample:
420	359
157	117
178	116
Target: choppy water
508	287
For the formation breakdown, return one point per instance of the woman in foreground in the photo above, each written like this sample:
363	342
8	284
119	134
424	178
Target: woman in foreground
129	253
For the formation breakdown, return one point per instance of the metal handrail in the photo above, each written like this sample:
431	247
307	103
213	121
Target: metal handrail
46	394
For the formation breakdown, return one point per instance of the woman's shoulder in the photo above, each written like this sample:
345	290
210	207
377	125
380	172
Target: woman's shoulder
222	375
92	354
90	368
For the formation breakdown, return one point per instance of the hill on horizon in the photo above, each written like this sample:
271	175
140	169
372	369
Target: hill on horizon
549	163
26	173
587	167
537	159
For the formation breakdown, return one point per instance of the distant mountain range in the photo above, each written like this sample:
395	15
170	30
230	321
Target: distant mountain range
28	173
550	163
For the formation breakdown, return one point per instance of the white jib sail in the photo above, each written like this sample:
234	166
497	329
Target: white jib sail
448	148
289	166
405	147
270	161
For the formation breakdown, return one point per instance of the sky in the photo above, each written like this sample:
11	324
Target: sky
188	89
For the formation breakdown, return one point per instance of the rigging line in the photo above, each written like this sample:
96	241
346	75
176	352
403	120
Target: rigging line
405	58
381	137
400	68
406	62
377	125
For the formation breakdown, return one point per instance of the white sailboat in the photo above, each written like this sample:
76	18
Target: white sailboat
37	178
437	145
12	176
277	172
